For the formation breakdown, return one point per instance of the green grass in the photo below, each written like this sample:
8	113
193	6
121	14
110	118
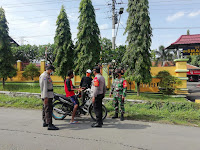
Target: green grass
184	113
20	102
28	87
34	88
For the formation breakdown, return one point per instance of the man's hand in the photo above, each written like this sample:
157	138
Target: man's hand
46	101
93	100
110	95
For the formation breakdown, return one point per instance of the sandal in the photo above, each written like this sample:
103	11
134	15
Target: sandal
74	122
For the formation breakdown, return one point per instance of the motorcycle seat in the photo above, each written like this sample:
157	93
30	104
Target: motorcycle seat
63	96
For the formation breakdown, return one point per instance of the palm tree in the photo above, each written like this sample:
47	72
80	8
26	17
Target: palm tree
163	55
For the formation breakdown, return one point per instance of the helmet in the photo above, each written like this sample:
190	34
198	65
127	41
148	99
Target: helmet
88	71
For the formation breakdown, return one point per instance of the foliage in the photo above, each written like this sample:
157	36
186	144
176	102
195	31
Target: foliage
6	57
118	55
106	50
29	87
188	32
88	45
64	45
168	83
31	71
163	55
137	55
185	113
25	53
50	50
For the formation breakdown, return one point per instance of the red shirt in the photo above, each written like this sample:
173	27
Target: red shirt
68	87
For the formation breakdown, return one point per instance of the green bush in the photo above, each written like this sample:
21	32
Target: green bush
168	83
31	71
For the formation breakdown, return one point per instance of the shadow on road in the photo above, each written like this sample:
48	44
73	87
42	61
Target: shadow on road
85	123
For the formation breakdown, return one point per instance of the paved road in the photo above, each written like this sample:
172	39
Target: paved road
193	90
21	130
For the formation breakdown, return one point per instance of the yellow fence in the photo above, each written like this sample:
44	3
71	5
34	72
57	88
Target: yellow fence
180	71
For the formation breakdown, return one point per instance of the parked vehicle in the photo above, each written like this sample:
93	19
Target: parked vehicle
63	106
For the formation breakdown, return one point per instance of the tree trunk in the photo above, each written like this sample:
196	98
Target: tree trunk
3	83
138	88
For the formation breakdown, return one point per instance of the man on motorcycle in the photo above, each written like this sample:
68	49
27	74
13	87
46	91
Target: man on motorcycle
85	83
69	90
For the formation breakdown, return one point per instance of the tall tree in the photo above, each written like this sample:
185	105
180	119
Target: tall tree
6	58
163	55
64	45
106	50
48	50
87	45
188	32
25	53
137	56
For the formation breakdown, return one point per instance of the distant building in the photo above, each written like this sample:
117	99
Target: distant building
13	42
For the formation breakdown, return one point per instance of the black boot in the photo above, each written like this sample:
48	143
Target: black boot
96	125
122	117
45	125
115	116
52	127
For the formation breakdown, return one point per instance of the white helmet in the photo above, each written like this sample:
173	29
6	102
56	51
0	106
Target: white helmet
89	71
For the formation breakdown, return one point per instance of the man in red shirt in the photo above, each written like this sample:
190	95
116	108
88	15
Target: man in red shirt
69	90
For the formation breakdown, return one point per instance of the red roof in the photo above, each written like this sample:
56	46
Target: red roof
188	39
191	67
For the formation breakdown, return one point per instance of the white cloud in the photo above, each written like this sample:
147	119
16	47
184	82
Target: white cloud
175	16
194	14
103	26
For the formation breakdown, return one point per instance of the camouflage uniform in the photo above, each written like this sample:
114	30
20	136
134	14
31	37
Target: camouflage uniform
118	89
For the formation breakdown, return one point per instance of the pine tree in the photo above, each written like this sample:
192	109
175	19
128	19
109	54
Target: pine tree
6	57
64	45
137	56
87	45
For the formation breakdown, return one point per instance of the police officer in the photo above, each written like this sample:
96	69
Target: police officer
98	93
118	89
46	88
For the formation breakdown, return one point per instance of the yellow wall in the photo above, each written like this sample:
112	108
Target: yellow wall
180	70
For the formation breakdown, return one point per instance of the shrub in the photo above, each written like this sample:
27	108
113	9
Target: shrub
168	83
31	71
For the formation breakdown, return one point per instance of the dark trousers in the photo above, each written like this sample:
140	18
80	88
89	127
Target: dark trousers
83	94
47	111
98	108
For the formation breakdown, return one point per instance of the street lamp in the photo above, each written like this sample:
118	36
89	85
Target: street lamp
121	10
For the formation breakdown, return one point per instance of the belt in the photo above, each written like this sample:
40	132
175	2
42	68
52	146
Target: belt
50	90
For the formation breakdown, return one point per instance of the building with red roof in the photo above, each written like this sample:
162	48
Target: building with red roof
186	40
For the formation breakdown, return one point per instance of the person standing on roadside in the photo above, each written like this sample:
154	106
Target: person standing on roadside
98	93
85	83
118	89
46	88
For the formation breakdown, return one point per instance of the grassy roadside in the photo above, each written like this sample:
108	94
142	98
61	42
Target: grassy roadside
183	113
34	88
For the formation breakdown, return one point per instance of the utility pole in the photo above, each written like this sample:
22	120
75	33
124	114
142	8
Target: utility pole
113	24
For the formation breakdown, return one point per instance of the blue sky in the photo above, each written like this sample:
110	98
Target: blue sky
34	20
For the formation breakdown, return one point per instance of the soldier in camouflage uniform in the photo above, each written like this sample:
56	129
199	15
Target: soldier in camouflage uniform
118	89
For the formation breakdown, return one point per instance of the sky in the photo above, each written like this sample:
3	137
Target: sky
34	21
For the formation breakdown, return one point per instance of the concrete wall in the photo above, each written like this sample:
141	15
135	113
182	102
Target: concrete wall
180	71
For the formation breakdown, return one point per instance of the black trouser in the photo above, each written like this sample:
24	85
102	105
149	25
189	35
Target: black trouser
98	108
83	94
47	111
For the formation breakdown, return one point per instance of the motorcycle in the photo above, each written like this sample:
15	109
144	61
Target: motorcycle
63	106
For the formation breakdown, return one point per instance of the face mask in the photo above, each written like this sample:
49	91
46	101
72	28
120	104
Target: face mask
122	73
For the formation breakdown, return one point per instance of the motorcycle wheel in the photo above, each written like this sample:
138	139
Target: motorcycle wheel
92	114
58	107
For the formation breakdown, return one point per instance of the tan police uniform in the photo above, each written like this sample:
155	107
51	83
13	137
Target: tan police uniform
46	88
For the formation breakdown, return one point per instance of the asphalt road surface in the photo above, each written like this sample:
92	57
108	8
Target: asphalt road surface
22	130
193	90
